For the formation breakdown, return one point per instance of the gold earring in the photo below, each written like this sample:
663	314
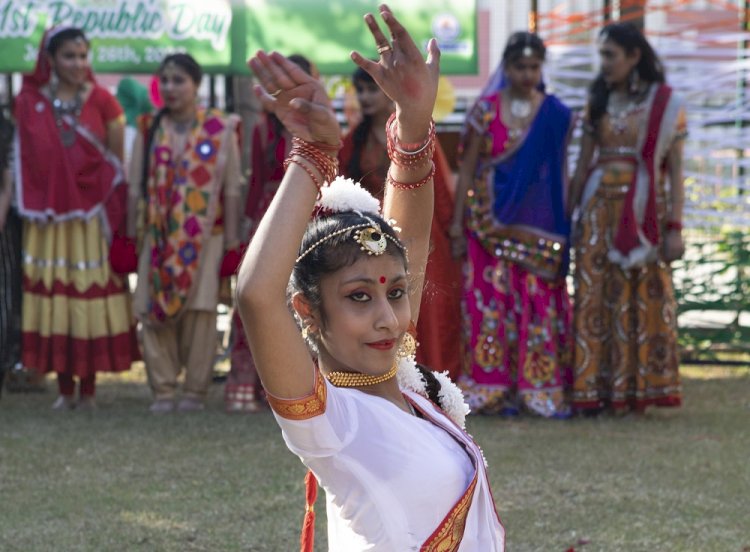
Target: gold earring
308	331
408	346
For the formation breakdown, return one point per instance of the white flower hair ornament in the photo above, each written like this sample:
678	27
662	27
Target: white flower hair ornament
450	397
345	195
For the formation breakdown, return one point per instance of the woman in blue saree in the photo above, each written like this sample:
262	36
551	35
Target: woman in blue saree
510	223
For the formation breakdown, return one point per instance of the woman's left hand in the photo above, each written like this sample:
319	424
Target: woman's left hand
674	246
297	99
403	74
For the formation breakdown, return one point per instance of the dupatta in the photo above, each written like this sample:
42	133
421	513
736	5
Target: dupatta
637	236
77	182
518	209
184	192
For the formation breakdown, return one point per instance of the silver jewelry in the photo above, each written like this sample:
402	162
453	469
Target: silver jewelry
520	108
181	127
514	134
62	108
619	112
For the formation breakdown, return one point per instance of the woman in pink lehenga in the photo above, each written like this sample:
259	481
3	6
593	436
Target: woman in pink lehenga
514	232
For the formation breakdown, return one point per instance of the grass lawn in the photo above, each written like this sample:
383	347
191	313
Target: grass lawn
122	479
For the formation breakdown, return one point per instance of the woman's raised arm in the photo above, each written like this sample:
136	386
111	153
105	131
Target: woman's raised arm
411	83
281	355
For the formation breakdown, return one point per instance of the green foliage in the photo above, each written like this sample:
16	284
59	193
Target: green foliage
715	276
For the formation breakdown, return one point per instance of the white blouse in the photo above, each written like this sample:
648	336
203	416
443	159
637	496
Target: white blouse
390	478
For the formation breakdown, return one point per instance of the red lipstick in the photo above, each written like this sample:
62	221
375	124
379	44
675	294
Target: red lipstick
383	345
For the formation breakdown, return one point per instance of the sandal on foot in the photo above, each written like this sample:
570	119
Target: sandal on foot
161	406
63	402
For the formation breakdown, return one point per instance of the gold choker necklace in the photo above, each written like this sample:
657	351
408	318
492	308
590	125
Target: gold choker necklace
356	379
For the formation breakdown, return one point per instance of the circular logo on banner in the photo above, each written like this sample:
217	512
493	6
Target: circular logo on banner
446	27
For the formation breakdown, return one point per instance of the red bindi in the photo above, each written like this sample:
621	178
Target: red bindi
382	279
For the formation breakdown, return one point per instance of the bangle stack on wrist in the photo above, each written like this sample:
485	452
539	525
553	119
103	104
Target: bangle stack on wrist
410	157
316	155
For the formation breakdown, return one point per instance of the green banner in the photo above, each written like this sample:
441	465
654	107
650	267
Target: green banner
327	31
126	36
132	36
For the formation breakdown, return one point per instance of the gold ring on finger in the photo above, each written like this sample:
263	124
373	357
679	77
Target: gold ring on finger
384	48
274	94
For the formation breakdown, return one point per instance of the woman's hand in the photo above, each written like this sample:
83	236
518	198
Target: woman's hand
674	246
297	99
403	75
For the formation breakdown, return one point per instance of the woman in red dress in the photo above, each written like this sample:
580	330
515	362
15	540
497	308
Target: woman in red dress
76	315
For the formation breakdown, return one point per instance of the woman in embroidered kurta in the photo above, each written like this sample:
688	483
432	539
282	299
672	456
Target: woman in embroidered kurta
629	230
71	193
191	181
398	473
514	233
364	159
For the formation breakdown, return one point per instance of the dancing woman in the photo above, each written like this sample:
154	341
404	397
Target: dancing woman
398	470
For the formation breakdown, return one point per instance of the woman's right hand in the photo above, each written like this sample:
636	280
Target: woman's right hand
297	99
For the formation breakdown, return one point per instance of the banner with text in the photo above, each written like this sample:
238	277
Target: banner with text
132	36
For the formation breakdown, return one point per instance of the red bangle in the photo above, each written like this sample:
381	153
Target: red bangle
316	182
411	185
674	225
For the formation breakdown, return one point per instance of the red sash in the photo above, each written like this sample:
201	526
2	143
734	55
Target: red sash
59	183
627	237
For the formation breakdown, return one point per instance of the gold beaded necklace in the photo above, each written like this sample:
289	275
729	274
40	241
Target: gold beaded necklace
356	379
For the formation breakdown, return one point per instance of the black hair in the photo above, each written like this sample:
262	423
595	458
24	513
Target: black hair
278	127
649	68
187	63
6	140
518	42
432	385
334	253
360	134
60	37
304	63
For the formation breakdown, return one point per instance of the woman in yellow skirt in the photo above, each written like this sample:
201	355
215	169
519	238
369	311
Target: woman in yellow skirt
630	205
76	317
